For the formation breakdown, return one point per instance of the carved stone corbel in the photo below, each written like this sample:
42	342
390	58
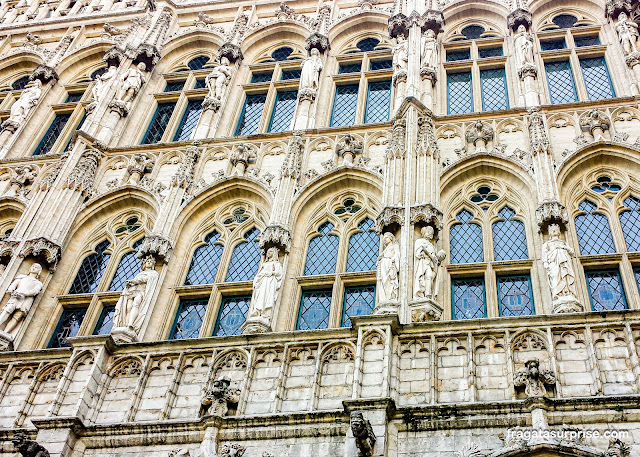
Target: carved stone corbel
156	245
348	148
596	123
217	396
534	379
479	134
27	447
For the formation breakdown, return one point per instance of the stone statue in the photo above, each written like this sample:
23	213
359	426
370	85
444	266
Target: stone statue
28	448
426	264
617	448
533	379
216	398
28	99
363	434
132	305
23	290
400	54
131	82
311	68
103	81
556	258
388	268
232	450
218	80
266	285
429	49
627	33
524	47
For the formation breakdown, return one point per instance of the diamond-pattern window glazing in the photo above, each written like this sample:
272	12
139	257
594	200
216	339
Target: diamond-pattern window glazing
233	313
198	63
485	53
189	120
605	290
21	83
514	295
323	252
368	44
462	54
283	110
189	319
363	248
128	267
378	102
251	114
560	82
466	240
315	306
636	274
261	77
509	237
593	230
553	45
379	65
494	89
67	327
468	299
459	92
290	74
345	105
91	270
596	78
358	301
350	68
630	222
174	86
581	41
245	258
105	321
159	122
205	261
52	134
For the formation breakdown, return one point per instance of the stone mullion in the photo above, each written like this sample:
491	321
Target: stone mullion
595	367
244	395
633	354
510	373
553	359
281	378
137	391
316	378
28	401
471	364
171	391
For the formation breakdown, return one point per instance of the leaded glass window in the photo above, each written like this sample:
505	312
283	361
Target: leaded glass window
281	54
378	102
105	321
565	21
358	301
485	53
514	295
594	232
560	82
201	83
368	44
494	89
636	274
553	45
349	68
128	267
67	327
174	86
605	290
233	313
596	78
91	270
290	74
198	63
630	222
189	120
509	237
52	134
73	97
468	299
251	114
458	54
345	105
466	240
189	318
245	258
261	77
205	261
283	110
605	185
459	92
20	83
379	65
159	122
581	41
314	309
363	248
323	252
472	32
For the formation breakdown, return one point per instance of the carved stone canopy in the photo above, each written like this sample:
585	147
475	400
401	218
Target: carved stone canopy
44	73
43	249
388	216
230	51
275	235
427	214
398	26
434	20
113	56
614	7
318	41
551	212
147	54
156	245
518	17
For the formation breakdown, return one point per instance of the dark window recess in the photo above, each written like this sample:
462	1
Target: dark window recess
380	64
20	83
565	21
454	56
200	84
349	68
290	74
174	86
489	52
582	41
552	45
281	54
73	97
197	63
261	77
473	32
105	321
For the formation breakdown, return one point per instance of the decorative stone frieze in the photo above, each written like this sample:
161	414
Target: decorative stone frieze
551	212
534	379
217	396
156	245
27	447
275	235
83	174
363	434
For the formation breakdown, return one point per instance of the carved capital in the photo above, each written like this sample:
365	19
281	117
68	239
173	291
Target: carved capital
518	17
157	246
399	77
430	74
211	103
389	215
120	107
552	212
427	214
230	51
307	94
318	41
44	249
276	235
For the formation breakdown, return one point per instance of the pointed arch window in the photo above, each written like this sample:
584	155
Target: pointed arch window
91	270
466	239
363	248
128	267
593	230
245	258
198	63
509	237
630	222
205	261
323	252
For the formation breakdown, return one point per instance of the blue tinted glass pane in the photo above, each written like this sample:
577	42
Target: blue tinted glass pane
283	110
459	93
349	68
20	83
345	105
205	261
462	54
105	321
593	230
596	78
581	41
560	82
314	309
233	313
73	97
159	122
509	238
483	53
128	267
251	114
52	134
368	44
67	327
514	296
379	65
189	319
290	74
174	86
605	290
200	84
472	32
630	221
189	120
323	252
565	21
363	248
552	45
494	89
245	258
198	63
281	54
468	298
378	102
358	301
261	77
466	241
91	270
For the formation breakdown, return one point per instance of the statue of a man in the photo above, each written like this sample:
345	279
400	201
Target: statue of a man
388	268
311	68
426	264
400	54
556	258
23	291
219	78
28	99
103	81
132	305
627	33
524	46
131	82
429	49
266	284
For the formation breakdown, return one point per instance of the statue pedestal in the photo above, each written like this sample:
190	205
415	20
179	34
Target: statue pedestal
390	307
6	341
567	304
124	335
256	324
425	310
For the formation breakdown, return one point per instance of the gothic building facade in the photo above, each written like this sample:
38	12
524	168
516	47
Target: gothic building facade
341	228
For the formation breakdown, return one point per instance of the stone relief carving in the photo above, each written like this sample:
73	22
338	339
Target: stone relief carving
139	164
524	47
596	123
388	269
21	177
556	258
22	292
429	49
21	107
479	134
240	159
534	379
363	433
232	450
348	148
27	447
217	396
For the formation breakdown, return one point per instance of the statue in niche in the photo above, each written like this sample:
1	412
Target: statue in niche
28	99
429	49
218	80
533	379
23	290
426	264
311	68
524	46
266	285
400	54
627	33
388	269
556	258
132	305
102	84
131	82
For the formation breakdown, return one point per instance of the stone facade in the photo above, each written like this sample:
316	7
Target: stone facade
331	228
